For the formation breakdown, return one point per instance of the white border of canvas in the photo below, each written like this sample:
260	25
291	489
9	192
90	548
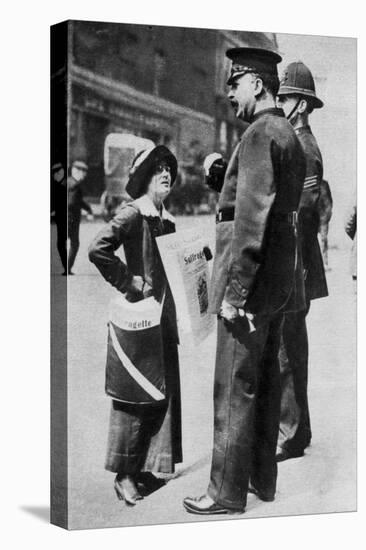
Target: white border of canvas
25	269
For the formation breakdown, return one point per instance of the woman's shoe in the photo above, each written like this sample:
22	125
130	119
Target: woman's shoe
126	490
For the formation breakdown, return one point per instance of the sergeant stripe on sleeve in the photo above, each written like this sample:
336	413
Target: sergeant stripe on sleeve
310	181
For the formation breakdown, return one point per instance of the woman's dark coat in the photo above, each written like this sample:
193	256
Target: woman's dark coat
135	227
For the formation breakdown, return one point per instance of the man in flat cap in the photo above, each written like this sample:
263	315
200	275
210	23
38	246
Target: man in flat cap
257	276
297	98
76	203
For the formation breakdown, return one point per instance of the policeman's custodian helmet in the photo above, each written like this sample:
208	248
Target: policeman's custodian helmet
143	168
252	60
298	80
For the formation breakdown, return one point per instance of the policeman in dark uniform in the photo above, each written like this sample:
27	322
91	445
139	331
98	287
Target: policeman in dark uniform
257	276
297	98
76	203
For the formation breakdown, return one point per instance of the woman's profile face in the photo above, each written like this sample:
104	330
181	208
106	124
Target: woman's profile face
159	186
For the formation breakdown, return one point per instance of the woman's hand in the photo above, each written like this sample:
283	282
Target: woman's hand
138	289
134	290
136	284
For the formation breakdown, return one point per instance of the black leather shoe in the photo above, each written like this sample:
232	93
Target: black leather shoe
204	506
284	454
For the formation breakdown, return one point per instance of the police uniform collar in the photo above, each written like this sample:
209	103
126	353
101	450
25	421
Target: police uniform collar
275	111
306	128
148	209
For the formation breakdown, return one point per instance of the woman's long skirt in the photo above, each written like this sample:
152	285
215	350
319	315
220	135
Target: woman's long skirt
148	437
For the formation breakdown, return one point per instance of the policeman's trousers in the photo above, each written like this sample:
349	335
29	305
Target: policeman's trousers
246	411
295	432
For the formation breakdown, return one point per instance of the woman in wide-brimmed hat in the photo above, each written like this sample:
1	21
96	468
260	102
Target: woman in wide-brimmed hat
143	437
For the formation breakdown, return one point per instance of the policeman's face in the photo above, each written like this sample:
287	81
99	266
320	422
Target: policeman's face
159	186
242	96
287	103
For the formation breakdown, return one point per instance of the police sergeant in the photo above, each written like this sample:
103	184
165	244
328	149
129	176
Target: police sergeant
257	277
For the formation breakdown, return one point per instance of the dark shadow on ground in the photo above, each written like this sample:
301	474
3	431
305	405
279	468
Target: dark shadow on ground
40	512
148	483
189	469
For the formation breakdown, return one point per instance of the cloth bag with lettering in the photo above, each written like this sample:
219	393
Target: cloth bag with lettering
135	360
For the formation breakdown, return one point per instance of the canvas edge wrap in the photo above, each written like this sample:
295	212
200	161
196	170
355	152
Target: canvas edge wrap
59	100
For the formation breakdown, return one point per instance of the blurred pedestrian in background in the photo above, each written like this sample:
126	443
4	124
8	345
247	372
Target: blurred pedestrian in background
59	209
297	98
143	437
351	230
76	204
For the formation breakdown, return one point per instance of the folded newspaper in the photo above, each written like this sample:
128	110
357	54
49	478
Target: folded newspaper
187	271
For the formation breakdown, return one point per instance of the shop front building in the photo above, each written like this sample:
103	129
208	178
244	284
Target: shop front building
162	83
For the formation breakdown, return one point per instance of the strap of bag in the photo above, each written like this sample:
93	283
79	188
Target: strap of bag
161	302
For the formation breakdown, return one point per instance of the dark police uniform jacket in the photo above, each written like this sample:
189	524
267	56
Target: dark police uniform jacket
257	260
315	281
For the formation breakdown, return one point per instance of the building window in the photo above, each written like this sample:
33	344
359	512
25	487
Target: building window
200	77
159	71
126	67
223	137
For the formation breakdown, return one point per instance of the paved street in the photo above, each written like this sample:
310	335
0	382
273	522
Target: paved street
322	481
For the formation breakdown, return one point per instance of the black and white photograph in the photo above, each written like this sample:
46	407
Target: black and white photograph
180	156
182	353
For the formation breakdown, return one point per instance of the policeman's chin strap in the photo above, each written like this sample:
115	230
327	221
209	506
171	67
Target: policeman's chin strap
290	115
